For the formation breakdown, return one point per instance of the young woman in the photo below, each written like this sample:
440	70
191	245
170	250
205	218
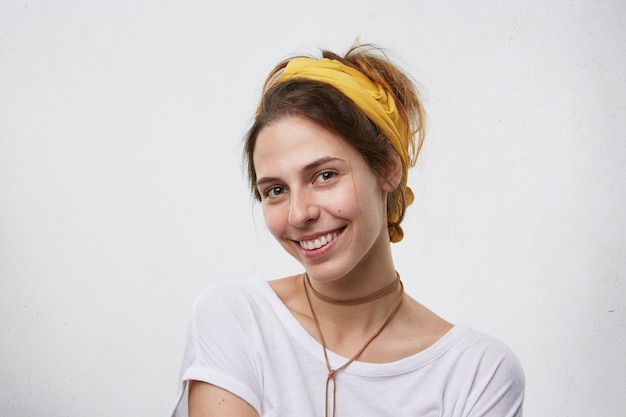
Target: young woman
328	156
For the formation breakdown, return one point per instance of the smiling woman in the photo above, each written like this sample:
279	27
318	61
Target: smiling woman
328	157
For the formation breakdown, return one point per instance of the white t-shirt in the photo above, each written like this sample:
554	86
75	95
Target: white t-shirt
242	338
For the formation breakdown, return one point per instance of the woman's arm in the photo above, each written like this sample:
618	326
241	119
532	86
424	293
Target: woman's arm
206	400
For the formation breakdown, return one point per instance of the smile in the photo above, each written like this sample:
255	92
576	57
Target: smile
318	242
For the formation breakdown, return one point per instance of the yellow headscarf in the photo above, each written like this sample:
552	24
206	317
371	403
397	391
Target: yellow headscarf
377	104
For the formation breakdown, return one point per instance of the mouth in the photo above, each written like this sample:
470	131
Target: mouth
319	241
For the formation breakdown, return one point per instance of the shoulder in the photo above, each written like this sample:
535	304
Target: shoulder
495	375
483	347
484	350
231	291
231	299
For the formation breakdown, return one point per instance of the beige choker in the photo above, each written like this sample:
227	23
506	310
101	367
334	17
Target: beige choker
355	301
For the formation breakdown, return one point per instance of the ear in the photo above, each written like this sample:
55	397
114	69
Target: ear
393	174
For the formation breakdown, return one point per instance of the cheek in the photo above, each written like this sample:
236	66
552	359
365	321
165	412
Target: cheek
348	207
345	204
365	200
274	219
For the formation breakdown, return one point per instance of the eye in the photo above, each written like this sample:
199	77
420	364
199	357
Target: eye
325	176
274	191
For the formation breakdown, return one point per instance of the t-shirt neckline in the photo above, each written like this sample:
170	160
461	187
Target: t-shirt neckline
410	363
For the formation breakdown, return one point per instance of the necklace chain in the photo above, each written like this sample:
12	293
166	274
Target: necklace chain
332	373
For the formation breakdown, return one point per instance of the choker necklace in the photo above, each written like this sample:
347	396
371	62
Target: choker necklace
354	301
333	372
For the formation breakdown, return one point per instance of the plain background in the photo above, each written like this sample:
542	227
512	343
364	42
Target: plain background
122	192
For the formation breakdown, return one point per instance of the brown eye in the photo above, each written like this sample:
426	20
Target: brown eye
325	176
275	191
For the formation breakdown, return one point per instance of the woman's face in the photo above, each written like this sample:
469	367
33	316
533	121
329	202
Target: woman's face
321	201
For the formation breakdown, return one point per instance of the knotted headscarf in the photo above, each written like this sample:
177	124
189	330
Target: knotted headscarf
377	104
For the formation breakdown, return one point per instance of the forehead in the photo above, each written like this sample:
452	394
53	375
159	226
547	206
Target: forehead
294	142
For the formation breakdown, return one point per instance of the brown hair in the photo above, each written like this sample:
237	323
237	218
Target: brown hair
326	106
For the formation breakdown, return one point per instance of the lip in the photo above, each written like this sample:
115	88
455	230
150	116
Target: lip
321	251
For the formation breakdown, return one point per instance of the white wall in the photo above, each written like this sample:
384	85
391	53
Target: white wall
122	193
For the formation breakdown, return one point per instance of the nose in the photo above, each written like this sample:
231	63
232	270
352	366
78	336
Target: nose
302	208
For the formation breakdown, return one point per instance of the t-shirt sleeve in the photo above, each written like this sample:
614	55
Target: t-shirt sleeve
497	387
220	346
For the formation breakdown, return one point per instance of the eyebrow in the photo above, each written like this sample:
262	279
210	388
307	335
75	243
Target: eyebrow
308	167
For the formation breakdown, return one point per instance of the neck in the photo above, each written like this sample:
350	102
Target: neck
363	281
348	317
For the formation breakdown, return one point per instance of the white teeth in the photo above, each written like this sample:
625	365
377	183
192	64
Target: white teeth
319	242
